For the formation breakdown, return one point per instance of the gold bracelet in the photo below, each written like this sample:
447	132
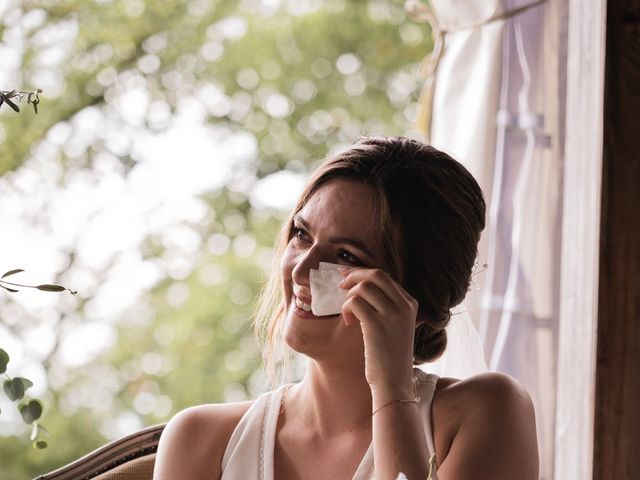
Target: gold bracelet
393	401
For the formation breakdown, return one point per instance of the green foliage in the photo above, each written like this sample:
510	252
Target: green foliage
30	409
44	287
15	388
298	80
4	360
9	98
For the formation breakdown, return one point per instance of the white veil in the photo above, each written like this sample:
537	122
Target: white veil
464	355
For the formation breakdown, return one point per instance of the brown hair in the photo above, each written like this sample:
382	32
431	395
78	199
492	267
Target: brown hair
431	213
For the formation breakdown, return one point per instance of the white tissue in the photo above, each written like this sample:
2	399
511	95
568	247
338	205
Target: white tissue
327	297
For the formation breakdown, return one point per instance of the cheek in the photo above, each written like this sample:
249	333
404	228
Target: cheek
286	262
286	267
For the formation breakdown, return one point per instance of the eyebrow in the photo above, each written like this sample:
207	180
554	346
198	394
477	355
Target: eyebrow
334	240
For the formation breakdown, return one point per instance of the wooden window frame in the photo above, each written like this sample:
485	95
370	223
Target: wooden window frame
597	414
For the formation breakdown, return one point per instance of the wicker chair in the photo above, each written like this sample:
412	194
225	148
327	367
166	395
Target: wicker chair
128	458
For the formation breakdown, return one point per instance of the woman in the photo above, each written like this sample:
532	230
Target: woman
404	221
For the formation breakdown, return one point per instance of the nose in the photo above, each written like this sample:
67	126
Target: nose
305	261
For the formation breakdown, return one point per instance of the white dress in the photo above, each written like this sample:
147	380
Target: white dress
250	451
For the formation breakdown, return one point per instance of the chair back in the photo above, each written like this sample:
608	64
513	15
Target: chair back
128	458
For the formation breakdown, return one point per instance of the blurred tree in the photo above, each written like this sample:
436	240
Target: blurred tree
283	83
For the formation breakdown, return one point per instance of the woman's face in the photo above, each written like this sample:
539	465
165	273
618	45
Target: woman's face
338	225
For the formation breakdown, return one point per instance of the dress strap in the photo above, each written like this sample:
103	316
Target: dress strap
425	384
268	432
249	452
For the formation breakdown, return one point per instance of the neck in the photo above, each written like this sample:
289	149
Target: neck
331	402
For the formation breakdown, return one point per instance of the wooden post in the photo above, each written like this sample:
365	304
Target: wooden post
617	399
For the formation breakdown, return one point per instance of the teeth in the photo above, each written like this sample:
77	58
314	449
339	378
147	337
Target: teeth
302	305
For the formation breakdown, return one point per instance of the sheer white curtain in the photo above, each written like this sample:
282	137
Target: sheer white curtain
491	100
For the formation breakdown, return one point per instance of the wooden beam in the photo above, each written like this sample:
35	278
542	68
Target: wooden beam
617	400
580	240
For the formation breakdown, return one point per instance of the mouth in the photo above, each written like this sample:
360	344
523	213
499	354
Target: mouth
303	310
303	306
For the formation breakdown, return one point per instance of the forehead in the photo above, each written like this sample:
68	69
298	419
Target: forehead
346	208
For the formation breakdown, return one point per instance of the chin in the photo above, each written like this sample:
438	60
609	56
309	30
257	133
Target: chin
322	338
305	332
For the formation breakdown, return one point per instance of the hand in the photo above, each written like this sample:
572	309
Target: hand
387	316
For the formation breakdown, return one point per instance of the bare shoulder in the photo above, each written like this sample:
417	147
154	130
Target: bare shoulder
485	423
483	390
194	441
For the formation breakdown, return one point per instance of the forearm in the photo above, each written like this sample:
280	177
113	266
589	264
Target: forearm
399	443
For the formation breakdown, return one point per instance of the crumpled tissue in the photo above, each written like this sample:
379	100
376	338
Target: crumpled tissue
327	297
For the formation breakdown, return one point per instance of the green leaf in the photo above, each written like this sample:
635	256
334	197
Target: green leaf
26	383
30	411
14	390
40	444
4	360
9	289
12	105
51	288
11	272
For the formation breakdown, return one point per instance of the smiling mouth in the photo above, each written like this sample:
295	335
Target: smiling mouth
306	310
303	306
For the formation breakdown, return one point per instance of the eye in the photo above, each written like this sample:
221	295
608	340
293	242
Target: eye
350	258
299	233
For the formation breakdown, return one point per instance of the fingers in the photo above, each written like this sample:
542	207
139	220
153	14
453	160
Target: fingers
383	294
372	294
371	275
356	309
